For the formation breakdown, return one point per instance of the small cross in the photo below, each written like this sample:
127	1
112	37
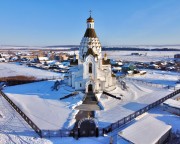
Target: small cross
90	12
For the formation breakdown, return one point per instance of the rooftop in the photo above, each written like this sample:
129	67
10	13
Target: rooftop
172	103
150	128
90	33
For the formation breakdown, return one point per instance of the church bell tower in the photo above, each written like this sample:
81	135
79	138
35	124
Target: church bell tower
90	43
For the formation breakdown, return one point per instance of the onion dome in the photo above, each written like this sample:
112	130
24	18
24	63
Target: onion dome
90	19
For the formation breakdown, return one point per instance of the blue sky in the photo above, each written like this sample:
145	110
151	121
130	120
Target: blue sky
117	22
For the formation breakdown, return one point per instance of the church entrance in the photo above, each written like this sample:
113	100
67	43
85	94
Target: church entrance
87	127
90	88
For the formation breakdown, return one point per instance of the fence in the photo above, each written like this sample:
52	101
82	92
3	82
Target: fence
57	133
130	117
24	116
102	131
151	84
65	133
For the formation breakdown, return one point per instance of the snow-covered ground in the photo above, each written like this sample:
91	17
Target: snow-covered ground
39	100
44	108
42	105
47	113
159	77
13	69
166	117
14	130
135	97
147	56
144	46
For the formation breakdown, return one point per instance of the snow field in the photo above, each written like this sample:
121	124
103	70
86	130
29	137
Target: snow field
42	105
158	77
151	55
13	69
14	130
136	98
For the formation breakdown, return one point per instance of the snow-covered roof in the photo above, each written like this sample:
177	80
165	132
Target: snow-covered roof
146	131
43	58
172	103
116	68
2	58
79	78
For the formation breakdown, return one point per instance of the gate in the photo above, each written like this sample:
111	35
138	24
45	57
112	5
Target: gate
88	127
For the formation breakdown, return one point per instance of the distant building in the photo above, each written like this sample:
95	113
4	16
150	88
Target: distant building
29	57
172	106
148	130
2	59
128	67
177	56
154	66
64	57
136	54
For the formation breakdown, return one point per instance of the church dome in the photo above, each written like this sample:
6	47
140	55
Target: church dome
90	19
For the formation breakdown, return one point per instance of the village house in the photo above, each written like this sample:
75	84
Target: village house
172	106
153	131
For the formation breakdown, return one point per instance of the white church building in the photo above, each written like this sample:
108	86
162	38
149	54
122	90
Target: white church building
91	72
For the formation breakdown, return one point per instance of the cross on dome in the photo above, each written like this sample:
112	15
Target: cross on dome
90	19
90	12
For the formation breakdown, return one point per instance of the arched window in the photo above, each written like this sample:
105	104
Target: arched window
90	67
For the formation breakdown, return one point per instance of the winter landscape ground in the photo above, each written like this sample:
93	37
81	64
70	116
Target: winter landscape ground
147	56
43	106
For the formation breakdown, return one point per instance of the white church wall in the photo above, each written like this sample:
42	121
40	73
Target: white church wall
70	81
86	74
79	85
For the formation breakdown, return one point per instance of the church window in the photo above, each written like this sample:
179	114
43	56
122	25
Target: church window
80	85
90	67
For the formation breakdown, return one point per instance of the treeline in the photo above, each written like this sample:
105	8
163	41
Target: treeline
15	80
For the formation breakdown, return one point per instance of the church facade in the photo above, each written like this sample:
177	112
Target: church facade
92	72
